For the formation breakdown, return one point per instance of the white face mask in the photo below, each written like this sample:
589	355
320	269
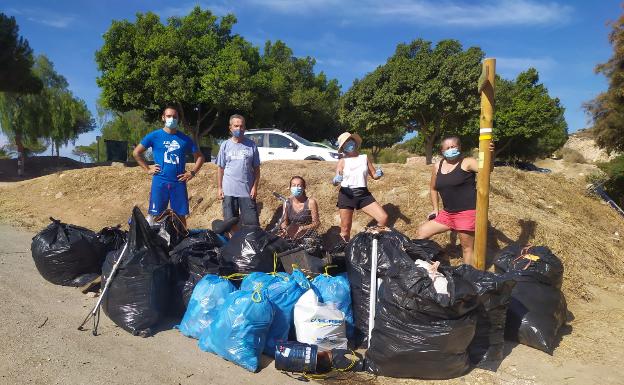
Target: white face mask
171	122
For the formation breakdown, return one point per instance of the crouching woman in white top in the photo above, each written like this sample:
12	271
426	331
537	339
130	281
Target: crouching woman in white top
352	174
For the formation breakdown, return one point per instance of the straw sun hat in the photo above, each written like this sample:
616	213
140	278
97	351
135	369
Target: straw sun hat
342	139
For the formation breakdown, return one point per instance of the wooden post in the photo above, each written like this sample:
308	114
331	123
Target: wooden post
486	88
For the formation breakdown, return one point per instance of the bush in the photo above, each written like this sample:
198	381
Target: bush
571	155
614	186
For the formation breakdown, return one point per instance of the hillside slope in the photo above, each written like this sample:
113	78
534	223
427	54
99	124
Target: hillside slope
526	207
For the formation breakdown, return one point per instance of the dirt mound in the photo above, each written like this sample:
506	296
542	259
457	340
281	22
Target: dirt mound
38	165
541	209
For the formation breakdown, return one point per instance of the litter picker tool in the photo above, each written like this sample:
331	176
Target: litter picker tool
373	287
95	313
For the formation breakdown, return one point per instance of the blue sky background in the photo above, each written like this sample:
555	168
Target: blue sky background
564	40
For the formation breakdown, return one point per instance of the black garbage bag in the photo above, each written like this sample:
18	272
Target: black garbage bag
487	347
192	259
391	253
538	308
425	249
420	333
112	238
251	249
138	294
63	253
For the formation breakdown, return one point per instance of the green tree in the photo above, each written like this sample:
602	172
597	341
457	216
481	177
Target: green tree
53	114
194	63
528	122
420	88
16	60
607	109
369	108
290	96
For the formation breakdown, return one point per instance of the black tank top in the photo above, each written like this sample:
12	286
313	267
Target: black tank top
457	188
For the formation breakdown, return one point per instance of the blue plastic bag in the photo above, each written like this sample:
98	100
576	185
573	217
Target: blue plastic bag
336	290
238	333
257	280
208	296
301	279
283	293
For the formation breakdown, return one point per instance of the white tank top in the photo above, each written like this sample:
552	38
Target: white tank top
355	171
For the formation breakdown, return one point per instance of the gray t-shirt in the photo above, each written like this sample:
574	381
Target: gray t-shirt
238	161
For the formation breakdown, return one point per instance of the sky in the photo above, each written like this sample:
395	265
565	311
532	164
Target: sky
563	40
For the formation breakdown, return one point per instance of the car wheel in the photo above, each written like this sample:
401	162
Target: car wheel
313	158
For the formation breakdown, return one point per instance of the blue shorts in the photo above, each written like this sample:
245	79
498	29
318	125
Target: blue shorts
164	193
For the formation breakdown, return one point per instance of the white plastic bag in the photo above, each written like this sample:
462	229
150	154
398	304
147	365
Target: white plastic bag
440	283
319	324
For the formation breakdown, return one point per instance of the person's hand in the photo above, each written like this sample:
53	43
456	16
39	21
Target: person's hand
153	169
432	215
337	180
379	173
491	147
220	194
185	177
253	193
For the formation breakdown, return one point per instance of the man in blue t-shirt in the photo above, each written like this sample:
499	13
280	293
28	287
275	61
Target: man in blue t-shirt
169	147
238	174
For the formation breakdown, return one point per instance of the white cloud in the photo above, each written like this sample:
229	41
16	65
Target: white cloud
511	66
56	22
484	14
43	16
219	8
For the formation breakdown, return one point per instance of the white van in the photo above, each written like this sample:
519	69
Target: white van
274	144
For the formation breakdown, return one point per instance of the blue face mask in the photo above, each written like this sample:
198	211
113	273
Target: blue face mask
296	191
171	122
349	147
236	133
451	153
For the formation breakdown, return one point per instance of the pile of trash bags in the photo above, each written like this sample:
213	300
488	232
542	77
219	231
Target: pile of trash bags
538	308
426	315
431	321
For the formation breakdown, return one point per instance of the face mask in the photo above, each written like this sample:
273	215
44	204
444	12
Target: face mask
350	146
171	122
296	191
451	153
236	133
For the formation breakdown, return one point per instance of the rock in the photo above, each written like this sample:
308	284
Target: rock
117	164
59	195
416	160
92	294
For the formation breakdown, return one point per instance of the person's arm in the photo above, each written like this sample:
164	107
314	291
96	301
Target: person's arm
254	189
432	190
285	222
372	172
256	165
220	182
199	162
316	222
138	156
339	171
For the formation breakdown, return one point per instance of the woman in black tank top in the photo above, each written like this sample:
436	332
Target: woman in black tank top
302	215
453	180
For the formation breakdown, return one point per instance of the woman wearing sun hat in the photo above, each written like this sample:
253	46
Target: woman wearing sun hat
352	174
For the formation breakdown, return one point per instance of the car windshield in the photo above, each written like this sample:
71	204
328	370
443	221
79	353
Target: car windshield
301	140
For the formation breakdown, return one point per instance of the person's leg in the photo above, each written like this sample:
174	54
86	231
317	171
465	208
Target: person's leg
159	198
179	200
248	212
442	223
466	239
377	212
230	207
346	220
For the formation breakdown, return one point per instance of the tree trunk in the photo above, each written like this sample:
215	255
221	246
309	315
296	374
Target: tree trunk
21	156
429	149
57	151
375	153
52	148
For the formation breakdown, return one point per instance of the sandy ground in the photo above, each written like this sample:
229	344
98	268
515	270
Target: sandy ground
41	344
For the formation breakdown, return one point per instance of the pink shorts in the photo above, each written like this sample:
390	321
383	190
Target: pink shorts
461	220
